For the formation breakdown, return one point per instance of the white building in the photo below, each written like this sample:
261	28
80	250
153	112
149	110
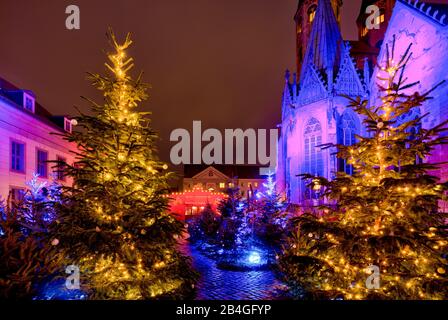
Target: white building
219	178
27	142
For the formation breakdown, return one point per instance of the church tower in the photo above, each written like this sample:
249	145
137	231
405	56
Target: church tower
304	17
313	111
370	40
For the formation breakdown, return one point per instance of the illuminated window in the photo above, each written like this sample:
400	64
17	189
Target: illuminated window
222	185
299	25
256	184
231	184
364	32
41	163
314	163
17	157
346	137
380	19
311	13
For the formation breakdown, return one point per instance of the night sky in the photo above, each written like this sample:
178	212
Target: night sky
219	61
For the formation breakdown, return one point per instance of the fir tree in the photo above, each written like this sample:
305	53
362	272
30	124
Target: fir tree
209	221
234	227
232	205
270	219
40	201
385	217
271	203
28	255
115	225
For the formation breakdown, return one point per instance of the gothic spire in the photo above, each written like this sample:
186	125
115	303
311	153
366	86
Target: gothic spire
325	42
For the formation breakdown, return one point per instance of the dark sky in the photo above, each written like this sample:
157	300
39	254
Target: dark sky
219	61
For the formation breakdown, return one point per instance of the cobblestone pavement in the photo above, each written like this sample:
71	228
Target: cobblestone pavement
217	284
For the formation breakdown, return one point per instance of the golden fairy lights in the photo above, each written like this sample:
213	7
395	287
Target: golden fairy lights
111	270
128	177
378	205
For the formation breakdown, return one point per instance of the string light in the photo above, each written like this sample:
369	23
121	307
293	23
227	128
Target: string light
380	199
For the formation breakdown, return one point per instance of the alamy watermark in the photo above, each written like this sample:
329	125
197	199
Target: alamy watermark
190	148
373	281
373	20
73	20
72	282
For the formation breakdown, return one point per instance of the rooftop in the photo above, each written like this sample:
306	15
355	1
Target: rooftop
232	171
325	44
40	113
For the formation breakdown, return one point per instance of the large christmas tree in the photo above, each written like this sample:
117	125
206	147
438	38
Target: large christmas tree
381	235
115	225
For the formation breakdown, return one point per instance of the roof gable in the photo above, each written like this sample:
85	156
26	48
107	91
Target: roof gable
324	46
312	88
211	173
348	81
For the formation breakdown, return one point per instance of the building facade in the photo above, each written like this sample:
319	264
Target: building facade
27	142
219	178
191	203
207	185
425	26
314	111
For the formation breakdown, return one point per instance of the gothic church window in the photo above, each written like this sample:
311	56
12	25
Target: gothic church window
346	136
299	26
314	163
312	13
380	19
288	180
364	32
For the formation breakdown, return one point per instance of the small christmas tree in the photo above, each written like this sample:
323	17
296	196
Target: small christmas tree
234	227
271	203
28	255
270	220
115	225
209	221
204	227
40	201
385	217
232	205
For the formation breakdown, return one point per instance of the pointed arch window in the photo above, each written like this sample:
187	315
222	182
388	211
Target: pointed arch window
287	163
288	178
299	26
347	130
314	162
312	13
